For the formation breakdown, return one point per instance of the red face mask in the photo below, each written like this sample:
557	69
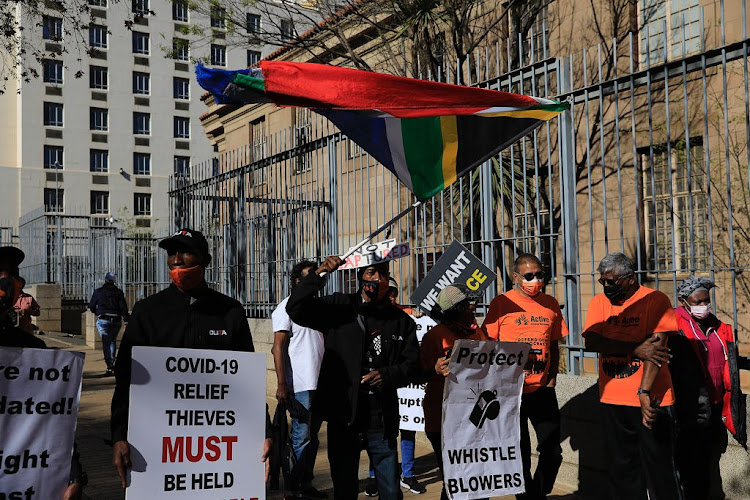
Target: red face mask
188	278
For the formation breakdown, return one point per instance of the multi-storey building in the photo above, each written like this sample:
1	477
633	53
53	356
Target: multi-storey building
102	135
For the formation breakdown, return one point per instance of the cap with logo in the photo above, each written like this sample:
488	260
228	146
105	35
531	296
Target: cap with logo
11	258
186	240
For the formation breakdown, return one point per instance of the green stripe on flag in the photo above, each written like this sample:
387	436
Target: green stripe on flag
249	82
423	151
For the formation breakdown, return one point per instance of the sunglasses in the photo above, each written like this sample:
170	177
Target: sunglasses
611	282
530	276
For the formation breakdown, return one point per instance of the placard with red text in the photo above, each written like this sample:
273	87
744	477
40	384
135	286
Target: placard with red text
197	424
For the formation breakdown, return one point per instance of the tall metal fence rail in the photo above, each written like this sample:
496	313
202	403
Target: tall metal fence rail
651	160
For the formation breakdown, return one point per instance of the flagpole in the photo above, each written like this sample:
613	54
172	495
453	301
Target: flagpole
379	230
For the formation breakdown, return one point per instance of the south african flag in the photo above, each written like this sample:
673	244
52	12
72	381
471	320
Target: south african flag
426	133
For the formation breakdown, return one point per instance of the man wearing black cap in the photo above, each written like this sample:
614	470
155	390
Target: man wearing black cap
370	350
183	315
12	336
108	303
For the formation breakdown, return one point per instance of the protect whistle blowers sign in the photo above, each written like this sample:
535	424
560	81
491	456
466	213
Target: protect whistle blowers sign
197	424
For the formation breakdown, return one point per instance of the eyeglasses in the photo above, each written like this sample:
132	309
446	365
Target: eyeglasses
611	282
530	276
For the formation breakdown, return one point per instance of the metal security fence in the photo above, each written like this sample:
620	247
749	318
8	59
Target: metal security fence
74	252
652	160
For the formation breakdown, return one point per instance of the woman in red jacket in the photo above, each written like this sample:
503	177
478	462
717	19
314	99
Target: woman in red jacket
705	373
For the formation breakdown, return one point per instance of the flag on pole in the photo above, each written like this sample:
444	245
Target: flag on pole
426	133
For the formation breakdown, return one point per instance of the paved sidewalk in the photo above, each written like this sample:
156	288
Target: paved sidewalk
96	452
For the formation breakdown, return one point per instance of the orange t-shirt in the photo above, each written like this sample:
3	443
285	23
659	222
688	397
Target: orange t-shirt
647	311
514	317
437	343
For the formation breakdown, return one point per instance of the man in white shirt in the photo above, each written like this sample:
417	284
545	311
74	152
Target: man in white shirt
297	354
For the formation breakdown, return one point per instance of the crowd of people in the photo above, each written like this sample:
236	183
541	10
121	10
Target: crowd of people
668	377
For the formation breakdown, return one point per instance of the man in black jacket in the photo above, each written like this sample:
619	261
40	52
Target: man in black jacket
184	315
371	349
108	304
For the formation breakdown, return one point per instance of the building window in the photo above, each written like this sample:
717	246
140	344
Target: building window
253	24
98	78
140	7
141	204
253	57
258	138
53	114
53	157
141	43
99	160
141	83
218	55
656	16
141	163
53	199
180	10
53	71
181	88
218	17
98	3
99	202
287	29
142	123
669	193
98	36
52	28
182	166
180	49
181	127
98	119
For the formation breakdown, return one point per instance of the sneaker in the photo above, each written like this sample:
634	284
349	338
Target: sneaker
371	487
312	492
412	485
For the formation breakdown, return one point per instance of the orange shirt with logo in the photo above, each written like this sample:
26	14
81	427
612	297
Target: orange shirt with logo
647	311
538	321
437	343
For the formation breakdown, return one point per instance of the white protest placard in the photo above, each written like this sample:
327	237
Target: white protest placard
375	253
39	394
410	397
481	419
197	424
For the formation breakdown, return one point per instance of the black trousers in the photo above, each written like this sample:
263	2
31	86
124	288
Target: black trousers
699	449
641	460
541	409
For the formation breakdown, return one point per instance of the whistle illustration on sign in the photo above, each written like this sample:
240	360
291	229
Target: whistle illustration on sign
487	408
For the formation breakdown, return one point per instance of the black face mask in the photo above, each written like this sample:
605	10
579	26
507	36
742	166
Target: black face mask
9	289
614	293
371	288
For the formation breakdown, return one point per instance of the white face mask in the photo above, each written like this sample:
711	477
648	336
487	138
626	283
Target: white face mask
700	312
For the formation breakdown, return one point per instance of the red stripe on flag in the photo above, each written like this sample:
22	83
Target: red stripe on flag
322	86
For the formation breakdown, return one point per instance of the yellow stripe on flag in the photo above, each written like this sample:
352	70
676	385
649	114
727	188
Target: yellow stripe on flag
539	114
449	127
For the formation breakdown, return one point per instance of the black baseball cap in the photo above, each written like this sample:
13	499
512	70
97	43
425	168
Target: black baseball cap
11	258
186	240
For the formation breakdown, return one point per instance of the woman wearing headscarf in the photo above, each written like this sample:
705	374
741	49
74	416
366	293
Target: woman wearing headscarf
456	319
705	373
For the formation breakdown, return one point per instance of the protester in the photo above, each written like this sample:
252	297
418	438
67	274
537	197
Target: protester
297	354
370	350
108	304
183	315
453	311
408	438
526	314
705	371
11	336
26	307
628	325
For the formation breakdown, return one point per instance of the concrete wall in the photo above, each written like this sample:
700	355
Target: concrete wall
49	298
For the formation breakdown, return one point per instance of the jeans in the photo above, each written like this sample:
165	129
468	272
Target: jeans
108	330
305	438
344	448
408	439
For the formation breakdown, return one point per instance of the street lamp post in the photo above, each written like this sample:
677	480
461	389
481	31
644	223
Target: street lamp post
58	210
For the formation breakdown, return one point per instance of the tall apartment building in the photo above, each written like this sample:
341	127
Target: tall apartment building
105	142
